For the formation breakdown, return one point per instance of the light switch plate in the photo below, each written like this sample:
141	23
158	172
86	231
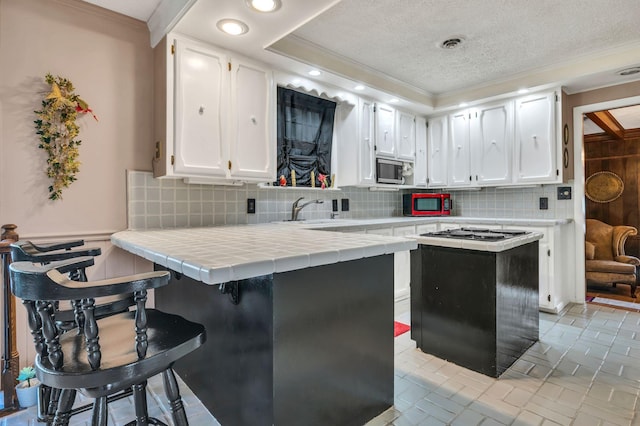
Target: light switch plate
251	205
564	193
544	203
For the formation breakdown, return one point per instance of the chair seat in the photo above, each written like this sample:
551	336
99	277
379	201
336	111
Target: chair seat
170	337
609	266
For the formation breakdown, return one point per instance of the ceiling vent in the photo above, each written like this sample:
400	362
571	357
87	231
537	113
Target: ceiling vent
452	43
629	71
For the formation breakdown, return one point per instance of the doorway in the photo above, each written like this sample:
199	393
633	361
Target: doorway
582	207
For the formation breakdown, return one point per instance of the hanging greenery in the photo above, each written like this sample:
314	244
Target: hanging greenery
56	126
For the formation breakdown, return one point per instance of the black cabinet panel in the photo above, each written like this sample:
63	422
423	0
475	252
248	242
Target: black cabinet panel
476	309
312	347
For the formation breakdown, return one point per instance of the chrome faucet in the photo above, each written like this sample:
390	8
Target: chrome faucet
295	208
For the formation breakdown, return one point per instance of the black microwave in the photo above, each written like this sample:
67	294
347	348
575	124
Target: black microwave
389	171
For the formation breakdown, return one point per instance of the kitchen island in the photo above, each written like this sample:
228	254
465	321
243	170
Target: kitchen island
299	322
474	296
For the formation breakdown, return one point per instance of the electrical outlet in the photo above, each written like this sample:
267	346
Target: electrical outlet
251	205
334	205
544	203
345	204
564	193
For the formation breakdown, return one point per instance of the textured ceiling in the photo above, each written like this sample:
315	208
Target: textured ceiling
503	38
392	46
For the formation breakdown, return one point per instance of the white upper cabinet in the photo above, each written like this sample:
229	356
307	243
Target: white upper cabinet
437	149
385	130
200	78
420	166
460	173
218	120
253	148
535	139
406	136
491	142
366	157
504	143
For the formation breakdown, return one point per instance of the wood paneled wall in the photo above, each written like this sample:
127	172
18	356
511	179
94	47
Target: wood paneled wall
623	159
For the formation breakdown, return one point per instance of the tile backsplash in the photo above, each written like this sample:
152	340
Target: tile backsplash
170	203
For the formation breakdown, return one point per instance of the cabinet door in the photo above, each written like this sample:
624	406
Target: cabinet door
402	265
406	137
491	140
201	84
385	135
460	160
437	144
420	166
251	123
366	156
535	139
546	297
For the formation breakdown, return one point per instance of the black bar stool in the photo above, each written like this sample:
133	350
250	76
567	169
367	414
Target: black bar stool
71	316
109	354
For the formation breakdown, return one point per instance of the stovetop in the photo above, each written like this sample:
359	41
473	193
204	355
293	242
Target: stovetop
476	234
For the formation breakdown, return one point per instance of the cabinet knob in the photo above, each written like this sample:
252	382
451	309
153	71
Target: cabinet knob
201	110
459	146
253	120
535	138
493	142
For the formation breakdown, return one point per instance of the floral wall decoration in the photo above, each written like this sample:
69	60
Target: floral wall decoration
57	129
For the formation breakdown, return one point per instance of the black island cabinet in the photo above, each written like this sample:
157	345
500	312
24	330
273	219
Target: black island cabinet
477	309
306	347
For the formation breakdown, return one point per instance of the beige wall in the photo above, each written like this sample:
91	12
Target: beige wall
109	60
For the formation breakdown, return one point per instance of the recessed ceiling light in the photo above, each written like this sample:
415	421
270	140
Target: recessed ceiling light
629	71
463	104
359	87
314	73
394	100
452	42
523	91
264	5
232	27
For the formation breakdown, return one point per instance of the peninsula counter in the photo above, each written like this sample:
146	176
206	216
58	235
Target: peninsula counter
299	322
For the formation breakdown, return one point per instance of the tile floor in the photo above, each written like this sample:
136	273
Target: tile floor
584	371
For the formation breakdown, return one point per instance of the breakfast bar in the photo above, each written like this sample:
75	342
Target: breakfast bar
299	322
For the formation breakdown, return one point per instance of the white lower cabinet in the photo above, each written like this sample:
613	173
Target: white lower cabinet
553	260
401	261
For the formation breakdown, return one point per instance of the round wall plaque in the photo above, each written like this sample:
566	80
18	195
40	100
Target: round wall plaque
603	187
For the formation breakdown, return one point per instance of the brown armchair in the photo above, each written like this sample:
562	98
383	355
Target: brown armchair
606	262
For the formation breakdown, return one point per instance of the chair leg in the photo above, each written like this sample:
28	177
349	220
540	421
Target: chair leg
100	412
44	396
172	391
54	396
63	413
140	403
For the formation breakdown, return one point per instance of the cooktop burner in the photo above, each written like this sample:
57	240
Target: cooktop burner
476	234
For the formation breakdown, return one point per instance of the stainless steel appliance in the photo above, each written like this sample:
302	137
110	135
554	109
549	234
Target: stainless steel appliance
476	234
389	171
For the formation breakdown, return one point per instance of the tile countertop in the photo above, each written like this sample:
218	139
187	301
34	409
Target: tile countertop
346	225
216	255
479	245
